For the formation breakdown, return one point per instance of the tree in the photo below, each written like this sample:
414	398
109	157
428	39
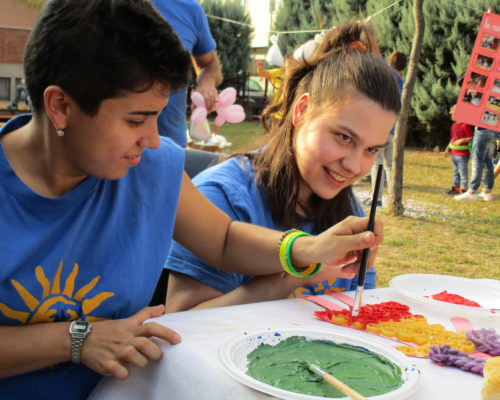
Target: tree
294	15
446	49
233	40
396	184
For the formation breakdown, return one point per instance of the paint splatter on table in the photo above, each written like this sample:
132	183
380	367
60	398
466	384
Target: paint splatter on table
454	299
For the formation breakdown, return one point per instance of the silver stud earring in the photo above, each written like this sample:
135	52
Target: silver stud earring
60	132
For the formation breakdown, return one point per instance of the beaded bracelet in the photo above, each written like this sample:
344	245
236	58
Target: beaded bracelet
285	247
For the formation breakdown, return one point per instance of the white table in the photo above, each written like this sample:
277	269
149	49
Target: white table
191	369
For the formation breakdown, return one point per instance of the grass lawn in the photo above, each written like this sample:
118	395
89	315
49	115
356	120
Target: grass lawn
241	135
437	234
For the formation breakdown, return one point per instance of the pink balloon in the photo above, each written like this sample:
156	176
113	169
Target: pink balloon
197	99
219	121
198	115
234	113
226	110
226	97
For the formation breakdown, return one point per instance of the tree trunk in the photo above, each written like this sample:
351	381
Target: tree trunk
395	206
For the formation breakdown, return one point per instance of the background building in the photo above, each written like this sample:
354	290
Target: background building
16	22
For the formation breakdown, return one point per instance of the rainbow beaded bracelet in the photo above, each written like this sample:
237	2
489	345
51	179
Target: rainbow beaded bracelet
285	247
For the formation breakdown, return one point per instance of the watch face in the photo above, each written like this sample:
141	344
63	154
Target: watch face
80	326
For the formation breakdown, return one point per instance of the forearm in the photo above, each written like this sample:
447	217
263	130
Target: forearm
30	347
240	246
460	142
242	240
260	288
247	249
210	74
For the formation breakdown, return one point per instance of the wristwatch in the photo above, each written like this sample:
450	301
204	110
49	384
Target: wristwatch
78	331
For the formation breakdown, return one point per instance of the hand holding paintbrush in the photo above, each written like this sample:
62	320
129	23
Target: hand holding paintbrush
366	252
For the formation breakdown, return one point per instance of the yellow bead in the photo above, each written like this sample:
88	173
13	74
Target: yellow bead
358	325
440	340
436	328
339	319
371	327
405	350
388	331
450	336
405	335
421	339
467	346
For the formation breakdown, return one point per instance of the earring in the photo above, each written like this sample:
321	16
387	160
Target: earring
60	132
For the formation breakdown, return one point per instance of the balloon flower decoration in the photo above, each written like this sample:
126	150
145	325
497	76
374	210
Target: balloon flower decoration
226	112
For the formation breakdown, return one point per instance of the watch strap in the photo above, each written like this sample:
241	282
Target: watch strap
76	349
77	338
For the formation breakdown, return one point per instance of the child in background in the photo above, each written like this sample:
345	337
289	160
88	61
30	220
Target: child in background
461	136
274	75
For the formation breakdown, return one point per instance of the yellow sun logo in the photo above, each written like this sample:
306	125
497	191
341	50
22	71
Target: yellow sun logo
46	308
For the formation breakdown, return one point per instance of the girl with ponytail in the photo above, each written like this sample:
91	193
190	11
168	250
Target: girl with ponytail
336	111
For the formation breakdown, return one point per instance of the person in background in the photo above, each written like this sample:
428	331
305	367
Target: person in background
338	109
92	196
274	75
483	150
20	94
461	136
190	22
397	61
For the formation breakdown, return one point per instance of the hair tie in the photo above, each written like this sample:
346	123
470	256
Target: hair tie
357	45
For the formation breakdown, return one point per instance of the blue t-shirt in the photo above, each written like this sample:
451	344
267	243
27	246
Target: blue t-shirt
230	186
94	253
189	22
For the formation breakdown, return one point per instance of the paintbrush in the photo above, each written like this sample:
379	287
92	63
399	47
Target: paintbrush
366	252
339	385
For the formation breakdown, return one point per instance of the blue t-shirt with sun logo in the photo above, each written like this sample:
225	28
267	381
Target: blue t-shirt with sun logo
95	253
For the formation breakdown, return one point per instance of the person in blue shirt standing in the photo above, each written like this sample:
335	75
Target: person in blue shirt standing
190	23
338	109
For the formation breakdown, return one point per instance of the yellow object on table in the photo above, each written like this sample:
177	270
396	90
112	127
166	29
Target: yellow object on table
491	384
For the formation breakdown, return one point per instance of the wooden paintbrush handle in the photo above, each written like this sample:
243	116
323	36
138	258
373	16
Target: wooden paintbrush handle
343	387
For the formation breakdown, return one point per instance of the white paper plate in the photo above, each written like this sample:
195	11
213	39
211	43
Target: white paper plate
233	355
421	287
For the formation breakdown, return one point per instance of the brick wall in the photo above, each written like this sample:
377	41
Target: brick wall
12	44
17	14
